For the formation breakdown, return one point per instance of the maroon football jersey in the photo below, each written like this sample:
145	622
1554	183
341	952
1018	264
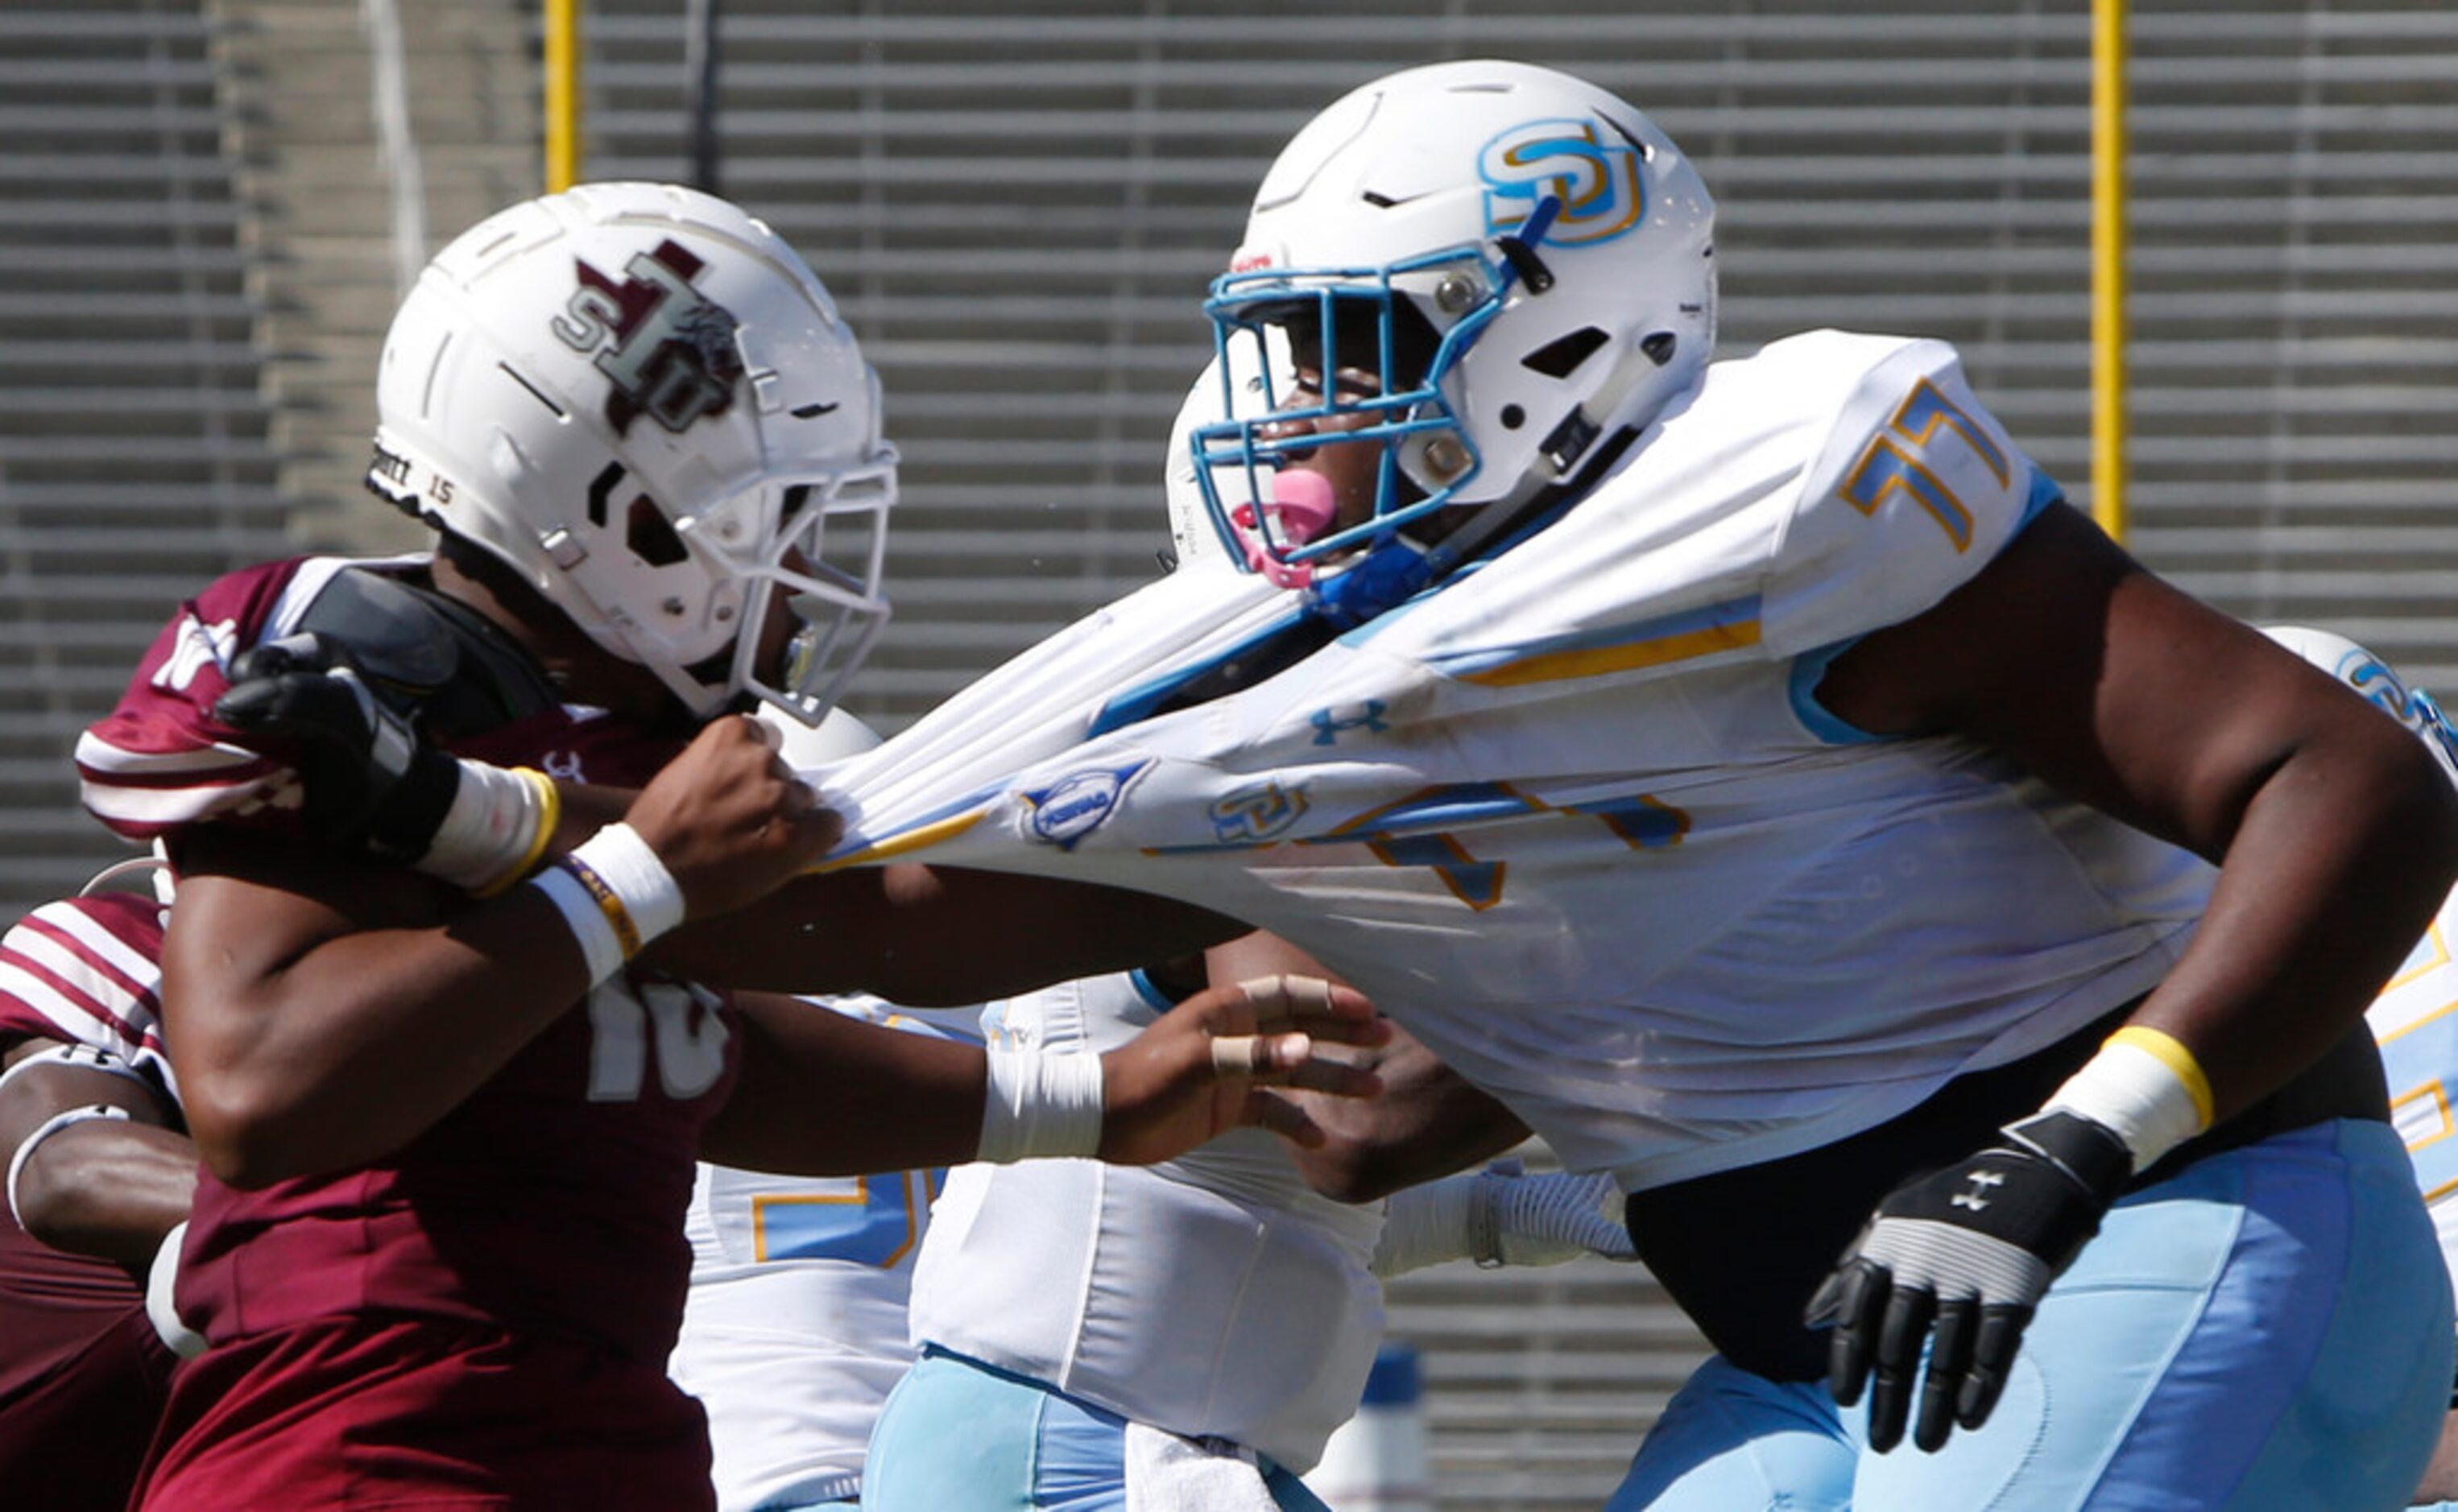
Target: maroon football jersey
83	1376
547	1205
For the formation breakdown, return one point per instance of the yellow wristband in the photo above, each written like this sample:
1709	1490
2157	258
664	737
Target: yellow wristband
2171	1053
549	802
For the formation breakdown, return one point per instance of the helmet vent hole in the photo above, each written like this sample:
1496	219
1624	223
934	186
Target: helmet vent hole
649	537
1561	357
1514	417
1660	346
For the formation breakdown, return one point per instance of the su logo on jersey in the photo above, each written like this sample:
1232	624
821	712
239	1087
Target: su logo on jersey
1596	180
668	349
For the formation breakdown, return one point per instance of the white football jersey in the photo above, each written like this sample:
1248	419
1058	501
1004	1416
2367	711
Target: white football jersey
1576	816
1212	1295
794	1331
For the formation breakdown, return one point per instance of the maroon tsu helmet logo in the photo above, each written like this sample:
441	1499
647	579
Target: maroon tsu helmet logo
668	349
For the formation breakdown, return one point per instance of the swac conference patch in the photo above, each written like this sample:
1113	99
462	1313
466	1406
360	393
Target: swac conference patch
1077	804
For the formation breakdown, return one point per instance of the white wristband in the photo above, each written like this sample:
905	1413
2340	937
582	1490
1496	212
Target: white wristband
615	895
161	1306
599	945
2136	1095
497	827
45	1130
1040	1105
632	871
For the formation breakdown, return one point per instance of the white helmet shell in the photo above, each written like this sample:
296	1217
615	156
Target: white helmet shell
2378	682
1420	187
640	399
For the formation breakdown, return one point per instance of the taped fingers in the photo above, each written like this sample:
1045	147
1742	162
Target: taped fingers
1282	996
1317	1073
1240	1055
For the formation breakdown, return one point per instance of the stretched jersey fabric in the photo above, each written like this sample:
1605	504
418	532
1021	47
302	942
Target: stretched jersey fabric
1576	816
539	1223
795	1330
1214	1295
83	1376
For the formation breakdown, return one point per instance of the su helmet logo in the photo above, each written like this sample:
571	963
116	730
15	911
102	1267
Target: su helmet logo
668	349
1598	180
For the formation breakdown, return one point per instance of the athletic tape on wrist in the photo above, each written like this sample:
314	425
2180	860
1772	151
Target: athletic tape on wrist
496	829
64	1119
631	871
1038	1105
2143	1086
1431	1223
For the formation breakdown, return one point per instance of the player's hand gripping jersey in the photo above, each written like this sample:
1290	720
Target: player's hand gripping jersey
552	1201
1576	813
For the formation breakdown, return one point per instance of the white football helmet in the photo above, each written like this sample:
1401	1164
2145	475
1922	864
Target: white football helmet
643	400
837	738
1527	260
1205	539
2374	678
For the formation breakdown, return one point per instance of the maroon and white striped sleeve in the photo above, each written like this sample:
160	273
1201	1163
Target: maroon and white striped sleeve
88	971
160	760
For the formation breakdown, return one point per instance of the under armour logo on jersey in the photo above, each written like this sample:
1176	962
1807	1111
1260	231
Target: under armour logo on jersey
673	355
1328	727
564	766
1981	1181
195	647
1596	180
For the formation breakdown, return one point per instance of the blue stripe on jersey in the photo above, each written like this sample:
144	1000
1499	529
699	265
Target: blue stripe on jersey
1137	703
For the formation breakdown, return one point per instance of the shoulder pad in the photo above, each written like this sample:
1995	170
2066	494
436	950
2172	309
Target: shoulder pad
429	657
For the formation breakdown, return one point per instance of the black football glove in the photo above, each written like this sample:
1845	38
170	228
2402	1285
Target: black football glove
1959	1258
372	784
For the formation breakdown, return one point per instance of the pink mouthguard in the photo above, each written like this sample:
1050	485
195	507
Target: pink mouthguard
1300	505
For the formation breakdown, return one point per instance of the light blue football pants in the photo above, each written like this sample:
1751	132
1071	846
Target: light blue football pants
2267	1332
958	1434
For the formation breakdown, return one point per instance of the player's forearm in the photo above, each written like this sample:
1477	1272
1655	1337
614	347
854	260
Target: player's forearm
95	1170
357	1045
823	1095
935	936
108	1189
